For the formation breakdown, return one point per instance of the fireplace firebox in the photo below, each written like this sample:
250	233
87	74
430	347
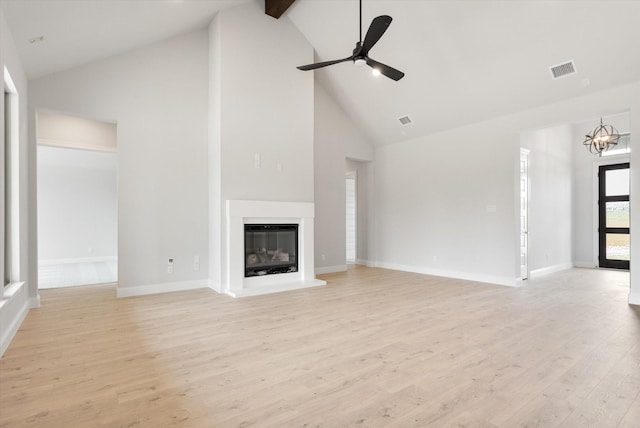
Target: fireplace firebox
270	249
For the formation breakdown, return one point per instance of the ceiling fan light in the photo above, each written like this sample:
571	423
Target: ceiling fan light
375	72
359	62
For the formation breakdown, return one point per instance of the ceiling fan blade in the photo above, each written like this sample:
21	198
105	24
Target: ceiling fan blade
377	28
390	72
322	64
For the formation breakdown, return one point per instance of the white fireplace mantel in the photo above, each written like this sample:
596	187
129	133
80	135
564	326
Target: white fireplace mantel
239	213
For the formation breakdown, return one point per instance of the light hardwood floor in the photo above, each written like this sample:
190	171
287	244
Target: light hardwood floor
373	348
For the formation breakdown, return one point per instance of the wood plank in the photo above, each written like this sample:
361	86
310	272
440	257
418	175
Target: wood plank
276	8
374	347
632	417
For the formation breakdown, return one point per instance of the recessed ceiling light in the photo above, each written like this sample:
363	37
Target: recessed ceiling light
35	40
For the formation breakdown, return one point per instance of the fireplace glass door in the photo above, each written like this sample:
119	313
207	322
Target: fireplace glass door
270	249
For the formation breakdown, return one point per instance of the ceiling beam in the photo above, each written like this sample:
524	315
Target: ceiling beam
276	8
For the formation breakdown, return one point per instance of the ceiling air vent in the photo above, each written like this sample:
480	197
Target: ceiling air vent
562	70
405	120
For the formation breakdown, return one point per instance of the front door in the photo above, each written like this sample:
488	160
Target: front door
613	207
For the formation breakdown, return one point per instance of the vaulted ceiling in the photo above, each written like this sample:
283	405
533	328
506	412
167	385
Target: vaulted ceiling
465	61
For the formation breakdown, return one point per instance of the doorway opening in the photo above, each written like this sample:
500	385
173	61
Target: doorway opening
613	216
77	201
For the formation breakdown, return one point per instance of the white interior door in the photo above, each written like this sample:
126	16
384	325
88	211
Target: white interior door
351	213
524	213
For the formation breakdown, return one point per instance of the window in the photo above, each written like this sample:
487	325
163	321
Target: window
10	214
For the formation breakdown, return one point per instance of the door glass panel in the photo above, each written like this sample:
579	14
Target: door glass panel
617	246
617	214
617	182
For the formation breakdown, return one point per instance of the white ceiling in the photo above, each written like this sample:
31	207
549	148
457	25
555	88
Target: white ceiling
465	61
80	31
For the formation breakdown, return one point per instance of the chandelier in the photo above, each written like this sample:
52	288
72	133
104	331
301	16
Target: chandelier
601	139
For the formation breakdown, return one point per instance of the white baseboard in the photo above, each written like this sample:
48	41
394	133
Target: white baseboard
10	318
166	287
634	298
537	273
367	263
590	265
330	269
51	262
467	276
276	288
34	302
51	287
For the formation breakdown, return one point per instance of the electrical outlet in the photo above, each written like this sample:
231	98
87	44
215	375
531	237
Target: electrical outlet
170	266
196	263
323	257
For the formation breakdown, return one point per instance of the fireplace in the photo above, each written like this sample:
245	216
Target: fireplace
285	231
270	249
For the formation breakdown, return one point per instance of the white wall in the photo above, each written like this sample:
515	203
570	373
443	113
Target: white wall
216	213
261	105
16	300
267	107
158	97
444	204
432	193
77	204
336	138
550	197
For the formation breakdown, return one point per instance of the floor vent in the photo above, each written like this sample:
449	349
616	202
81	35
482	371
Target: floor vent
405	120
562	70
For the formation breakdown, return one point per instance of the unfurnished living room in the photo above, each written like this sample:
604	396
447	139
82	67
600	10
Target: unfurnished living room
306	213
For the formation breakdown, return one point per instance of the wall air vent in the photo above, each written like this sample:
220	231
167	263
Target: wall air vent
405	120
562	70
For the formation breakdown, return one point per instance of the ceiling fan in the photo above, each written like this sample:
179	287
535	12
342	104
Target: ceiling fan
361	52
